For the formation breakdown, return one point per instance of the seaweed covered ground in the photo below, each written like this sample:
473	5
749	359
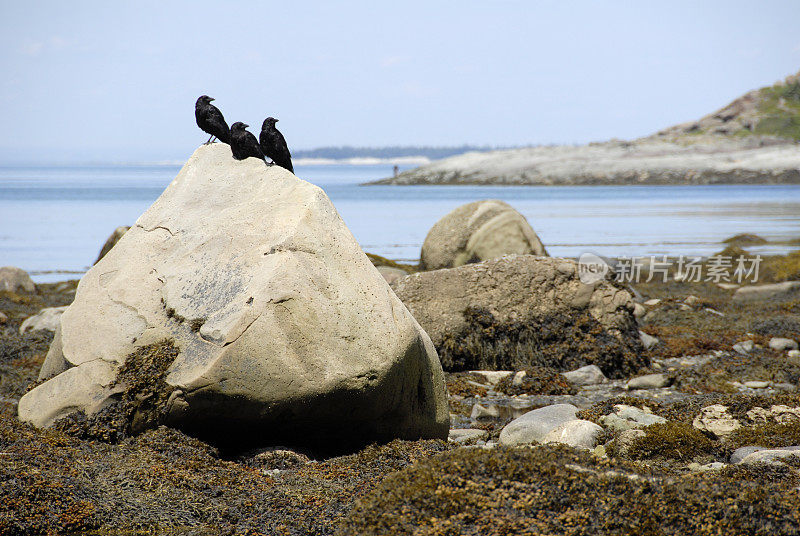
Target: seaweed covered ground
555	490
676	476
160	481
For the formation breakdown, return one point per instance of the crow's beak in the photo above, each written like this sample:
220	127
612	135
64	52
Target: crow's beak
245	126
209	100
277	120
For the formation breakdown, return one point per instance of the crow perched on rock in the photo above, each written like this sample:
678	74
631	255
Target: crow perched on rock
273	144
210	120
244	144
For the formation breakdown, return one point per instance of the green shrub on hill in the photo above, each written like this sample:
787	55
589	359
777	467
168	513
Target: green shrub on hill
780	107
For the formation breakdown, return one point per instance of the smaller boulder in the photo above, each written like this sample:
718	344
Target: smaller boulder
465	436
476	232
648	341
716	420
778	413
533	427
45	320
648	381
741	453
779	291
771	456
518	378
578	433
744	347
493	377
481	412
588	375
15	279
704	468
691	299
522	311
626	439
111	241
629	417
782	344
391	274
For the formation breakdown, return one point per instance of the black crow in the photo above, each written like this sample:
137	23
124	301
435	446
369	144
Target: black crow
273	144
244	144
210	120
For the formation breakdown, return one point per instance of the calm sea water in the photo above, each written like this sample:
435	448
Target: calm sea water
55	219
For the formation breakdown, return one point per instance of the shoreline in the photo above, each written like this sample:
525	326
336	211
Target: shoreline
788	247
791	179
682	160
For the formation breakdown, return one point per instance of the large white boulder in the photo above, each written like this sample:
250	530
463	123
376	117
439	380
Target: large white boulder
478	231
285	330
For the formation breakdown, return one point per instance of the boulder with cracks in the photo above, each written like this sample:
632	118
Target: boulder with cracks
285	332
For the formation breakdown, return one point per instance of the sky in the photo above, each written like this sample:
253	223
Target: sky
116	82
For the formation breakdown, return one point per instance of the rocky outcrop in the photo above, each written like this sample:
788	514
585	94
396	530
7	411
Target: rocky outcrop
752	140
476	232
15	279
760	110
246	311
520	311
111	241
700	160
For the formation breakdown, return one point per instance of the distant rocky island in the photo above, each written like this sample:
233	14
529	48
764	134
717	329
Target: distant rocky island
396	151
754	139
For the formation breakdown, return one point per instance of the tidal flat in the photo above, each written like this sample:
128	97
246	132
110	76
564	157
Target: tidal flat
684	474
